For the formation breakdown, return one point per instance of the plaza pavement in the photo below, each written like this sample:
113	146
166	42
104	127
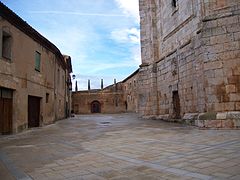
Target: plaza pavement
120	147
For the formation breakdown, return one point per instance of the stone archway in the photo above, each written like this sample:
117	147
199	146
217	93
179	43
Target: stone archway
95	107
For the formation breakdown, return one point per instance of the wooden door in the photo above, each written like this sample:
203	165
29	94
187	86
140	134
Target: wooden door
33	111
95	107
5	111
176	105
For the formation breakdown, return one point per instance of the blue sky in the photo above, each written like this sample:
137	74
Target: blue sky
101	36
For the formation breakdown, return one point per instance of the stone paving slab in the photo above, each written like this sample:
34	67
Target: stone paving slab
4	172
127	147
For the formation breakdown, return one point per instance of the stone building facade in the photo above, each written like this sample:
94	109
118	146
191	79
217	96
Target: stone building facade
119	97
34	76
130	91
68	85
106	100
190	61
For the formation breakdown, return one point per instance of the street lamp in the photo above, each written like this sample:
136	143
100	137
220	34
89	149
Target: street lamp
73	76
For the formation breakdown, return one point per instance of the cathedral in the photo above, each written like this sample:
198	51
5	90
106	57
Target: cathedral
190	67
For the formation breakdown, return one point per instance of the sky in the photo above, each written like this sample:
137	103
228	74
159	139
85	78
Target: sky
101	36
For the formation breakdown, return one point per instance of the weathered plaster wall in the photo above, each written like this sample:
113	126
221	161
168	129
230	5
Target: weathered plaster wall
20	75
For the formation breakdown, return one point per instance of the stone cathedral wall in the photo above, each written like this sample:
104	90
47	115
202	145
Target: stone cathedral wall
190	61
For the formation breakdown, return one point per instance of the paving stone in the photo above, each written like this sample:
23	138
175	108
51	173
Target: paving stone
133	148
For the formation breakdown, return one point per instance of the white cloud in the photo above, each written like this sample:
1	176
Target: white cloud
131	38
97	67
136	55
129	7
131	35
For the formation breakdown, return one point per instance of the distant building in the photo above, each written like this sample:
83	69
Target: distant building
34	76
68	72
117	98
106	100
130	90
190	61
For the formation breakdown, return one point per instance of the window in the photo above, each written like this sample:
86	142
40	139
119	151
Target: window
47	97
6	93
174	3
37	61
6	45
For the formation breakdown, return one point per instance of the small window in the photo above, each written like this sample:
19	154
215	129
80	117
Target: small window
6	45
6	93
47	97
174	3
37	61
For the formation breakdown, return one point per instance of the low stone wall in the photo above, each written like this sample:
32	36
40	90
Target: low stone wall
214	120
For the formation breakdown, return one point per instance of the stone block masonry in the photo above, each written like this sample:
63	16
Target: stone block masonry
190	61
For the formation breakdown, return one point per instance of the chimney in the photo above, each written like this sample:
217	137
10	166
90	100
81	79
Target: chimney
115	84
102	84
89	87
76	87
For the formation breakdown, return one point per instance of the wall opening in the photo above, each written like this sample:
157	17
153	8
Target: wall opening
6	45
6	96
174	3
176	105
95	107
37	61
33	111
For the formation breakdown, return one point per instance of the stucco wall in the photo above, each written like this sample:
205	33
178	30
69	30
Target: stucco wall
20	75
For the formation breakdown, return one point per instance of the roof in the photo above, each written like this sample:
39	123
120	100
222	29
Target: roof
23	26
130	76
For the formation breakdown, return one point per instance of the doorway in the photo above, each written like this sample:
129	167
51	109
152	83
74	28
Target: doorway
95	107
6	96
176	105
33	111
